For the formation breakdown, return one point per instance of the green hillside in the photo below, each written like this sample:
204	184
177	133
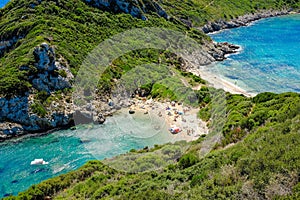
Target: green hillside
263	164
75	28
258	156
201	11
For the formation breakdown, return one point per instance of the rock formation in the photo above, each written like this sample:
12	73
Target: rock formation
240	21
136	8
16	115
52	75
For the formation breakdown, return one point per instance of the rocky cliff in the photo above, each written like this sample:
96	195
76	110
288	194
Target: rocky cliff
52	75
136	8
17	113
241	20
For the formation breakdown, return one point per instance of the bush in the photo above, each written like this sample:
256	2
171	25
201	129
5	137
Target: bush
42	96
38	109
188	160
263	97
62	73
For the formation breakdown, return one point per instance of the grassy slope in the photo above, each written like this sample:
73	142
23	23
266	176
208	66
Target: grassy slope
264	165
201	11
73	27
76	28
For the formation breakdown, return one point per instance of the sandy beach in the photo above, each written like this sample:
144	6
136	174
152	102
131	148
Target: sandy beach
184	117
219	83
175	116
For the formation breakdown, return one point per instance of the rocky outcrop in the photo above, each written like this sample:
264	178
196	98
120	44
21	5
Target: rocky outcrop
16	114
16	117
7	44
52	75
241	21
219	50
136	8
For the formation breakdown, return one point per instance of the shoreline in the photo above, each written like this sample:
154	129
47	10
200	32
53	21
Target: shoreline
212	79
218	82
244	20
210	28
192	127
173	114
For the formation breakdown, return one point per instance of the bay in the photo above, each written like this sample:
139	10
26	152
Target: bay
269	59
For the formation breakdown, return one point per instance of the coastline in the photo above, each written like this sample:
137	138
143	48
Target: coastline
191	126
213	79
220	83
244	20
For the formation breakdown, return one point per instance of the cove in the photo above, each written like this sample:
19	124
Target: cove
67	150
269	58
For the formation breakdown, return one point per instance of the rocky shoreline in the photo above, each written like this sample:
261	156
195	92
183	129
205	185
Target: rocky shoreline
18	119
244	20
21	115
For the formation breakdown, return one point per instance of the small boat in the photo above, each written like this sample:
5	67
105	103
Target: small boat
39	162
131	111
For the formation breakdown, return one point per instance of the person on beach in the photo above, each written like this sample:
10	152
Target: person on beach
159	114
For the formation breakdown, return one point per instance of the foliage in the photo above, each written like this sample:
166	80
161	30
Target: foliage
263	163
188	160
39	109
199	12
245	115
73	27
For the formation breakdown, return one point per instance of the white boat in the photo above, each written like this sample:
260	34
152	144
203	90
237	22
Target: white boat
39	162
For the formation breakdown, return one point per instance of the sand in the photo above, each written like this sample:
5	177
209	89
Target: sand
177	115
187	121
220	83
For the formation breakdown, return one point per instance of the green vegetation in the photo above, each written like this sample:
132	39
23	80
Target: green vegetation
39	109
264	163
75	28
199	12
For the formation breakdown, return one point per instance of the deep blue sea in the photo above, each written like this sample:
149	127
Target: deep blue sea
269	61
270	55
3	3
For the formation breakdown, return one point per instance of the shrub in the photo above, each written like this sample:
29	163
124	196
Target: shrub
62	73
38	109
188	160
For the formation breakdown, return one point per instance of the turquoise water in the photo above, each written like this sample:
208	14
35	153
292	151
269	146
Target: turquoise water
67	150
270	56
3	3
269	61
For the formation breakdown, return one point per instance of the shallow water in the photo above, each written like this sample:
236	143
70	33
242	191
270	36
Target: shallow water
67	150
268	62
269	59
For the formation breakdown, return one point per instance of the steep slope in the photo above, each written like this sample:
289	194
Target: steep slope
42	46
264	165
